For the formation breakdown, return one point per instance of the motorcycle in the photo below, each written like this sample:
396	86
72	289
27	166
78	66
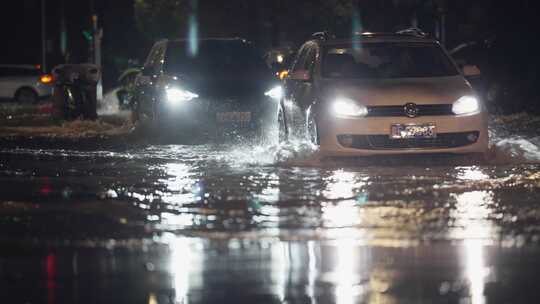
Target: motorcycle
75	91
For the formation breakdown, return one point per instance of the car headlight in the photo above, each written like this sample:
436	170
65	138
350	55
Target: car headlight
275	93
345	107
466	105
176	95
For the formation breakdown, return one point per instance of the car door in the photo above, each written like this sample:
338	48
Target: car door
301	87
305	93
145	84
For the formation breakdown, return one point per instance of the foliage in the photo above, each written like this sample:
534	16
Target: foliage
160	18
247	18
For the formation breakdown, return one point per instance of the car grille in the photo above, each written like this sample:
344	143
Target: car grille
399	111
384	142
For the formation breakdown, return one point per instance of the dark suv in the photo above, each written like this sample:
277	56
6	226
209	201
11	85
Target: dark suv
204	87
24	83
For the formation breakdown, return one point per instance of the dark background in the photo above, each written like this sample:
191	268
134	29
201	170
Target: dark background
129	34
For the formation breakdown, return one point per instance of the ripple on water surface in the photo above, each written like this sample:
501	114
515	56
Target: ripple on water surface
285	190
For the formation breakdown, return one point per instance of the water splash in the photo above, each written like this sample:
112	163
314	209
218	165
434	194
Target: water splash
514	139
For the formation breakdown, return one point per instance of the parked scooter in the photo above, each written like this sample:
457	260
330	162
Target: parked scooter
75	94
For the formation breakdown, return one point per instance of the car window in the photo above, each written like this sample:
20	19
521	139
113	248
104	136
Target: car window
301	59
311	56
19	72
153	62
387	60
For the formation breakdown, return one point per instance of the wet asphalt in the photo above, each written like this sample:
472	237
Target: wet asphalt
255	222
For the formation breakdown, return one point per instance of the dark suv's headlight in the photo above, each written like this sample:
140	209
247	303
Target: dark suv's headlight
177	95
275	93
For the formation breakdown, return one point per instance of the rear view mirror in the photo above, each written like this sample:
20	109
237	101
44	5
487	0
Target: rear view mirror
471	71
301	75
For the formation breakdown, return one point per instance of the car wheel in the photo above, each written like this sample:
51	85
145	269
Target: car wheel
312	129
26	95
283	134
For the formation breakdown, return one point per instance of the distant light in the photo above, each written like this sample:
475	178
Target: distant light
280	58
283	74
193	36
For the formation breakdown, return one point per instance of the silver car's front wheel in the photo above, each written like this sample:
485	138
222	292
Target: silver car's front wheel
26	95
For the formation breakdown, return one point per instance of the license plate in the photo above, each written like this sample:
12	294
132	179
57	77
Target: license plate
227	117
413	131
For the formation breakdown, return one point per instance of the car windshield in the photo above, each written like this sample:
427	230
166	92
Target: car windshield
386	61
213	58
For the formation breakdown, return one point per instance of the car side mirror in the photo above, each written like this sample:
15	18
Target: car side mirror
471	71
301	75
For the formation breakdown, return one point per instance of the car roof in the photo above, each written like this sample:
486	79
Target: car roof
19	66
376	38
231	39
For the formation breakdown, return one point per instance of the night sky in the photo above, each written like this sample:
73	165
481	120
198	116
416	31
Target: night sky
514	23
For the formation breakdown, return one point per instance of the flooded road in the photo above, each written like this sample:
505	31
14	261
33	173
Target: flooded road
260	223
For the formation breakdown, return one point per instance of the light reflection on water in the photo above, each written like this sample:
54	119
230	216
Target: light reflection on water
341	271
181	183
344	202
360	211
181	259
472	212
345	272
472	224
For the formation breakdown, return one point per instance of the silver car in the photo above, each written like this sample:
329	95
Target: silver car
24	83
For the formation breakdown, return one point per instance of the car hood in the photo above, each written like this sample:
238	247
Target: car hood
220	87
439	90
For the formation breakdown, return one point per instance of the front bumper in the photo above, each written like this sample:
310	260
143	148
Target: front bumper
371	136
210	115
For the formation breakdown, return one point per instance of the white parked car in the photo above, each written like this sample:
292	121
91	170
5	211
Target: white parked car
24	83
381	94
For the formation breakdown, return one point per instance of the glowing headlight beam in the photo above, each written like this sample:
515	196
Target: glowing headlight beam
175	95
275	93
344	107
466	105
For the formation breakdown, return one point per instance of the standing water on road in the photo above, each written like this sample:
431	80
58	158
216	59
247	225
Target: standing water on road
272	224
